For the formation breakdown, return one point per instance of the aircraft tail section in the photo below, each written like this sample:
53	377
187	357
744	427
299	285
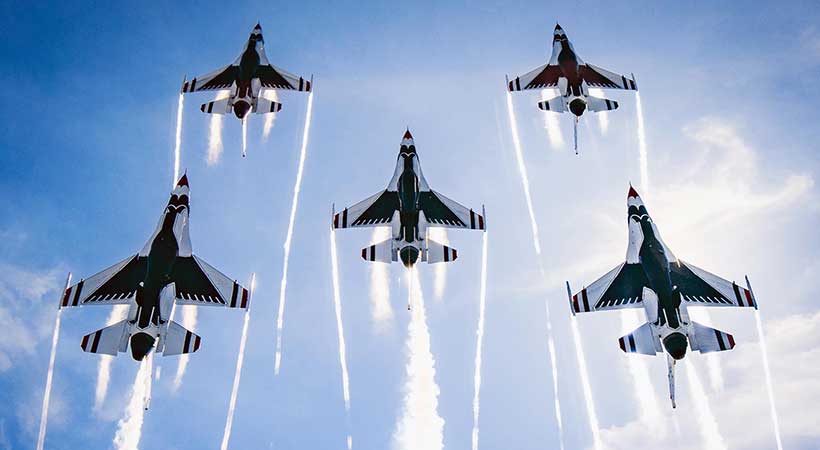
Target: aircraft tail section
107	341
596	104
179	340
265	106
381	252
555	104
706	340
437	252
220	106
642	340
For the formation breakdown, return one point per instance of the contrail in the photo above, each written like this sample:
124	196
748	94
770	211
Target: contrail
337	304
189	320
644	163
440	281
380	306
244	137
294	203
644	391
271	117
592	416
603	118
117	314
420	426
706	420
55	337
178	141
129	428
551	122
482	297
240	358
701	315
214	140
522	169
764	354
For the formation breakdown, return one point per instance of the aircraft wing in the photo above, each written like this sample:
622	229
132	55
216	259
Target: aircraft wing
217	80
275	78
116	285
621	288
440	211
701	288
601	78
198	283
374	211
545	76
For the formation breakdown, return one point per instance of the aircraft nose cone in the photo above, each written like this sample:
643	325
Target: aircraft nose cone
240	109
577	107
141	345
409	255
632	192
675	345
558	27
407	135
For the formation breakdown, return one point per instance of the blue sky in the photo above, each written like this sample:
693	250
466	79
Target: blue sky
729	99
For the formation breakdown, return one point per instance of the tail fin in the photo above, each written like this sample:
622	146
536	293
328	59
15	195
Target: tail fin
596	104
265	106
437	252
642	341
178	340
216	107
706	340
107	341
381	252
555	104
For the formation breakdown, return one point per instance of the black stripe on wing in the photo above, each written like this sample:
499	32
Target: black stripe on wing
381	211
435	211
123	284
192	283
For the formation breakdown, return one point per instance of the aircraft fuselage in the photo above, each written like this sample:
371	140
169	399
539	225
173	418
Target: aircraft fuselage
568	63
408	190
248	63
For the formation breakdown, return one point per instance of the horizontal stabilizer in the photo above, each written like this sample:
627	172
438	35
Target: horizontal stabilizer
706	340
178	340
642	341
216	107
596	104
265	106
381	252
437	252
107	341
555	104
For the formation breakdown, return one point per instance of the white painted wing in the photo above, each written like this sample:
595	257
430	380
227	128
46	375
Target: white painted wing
701	288
601	78
642	340
222	78
116	285
376	210
541	77
199	283
440	211
179	341
621	288
707	340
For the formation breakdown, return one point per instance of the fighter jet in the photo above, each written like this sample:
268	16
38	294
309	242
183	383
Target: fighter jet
653	279
165	272
572	77
246	77
409	207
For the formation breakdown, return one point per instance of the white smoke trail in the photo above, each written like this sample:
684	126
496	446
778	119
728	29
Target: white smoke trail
270	118
592	416
551	122
280	320
178	141
129	428
118	313
701	315
420	426
381	309
603	117
189	320
705	418
55	337
240	358
482	297
644	163
440	275
337	304
214	140
764	354
641	381
244	137
522	169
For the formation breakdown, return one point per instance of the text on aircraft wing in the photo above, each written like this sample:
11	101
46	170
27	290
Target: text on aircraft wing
621	287
116	285
217	80
440	211
701	288
198	283
376	210
601	78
